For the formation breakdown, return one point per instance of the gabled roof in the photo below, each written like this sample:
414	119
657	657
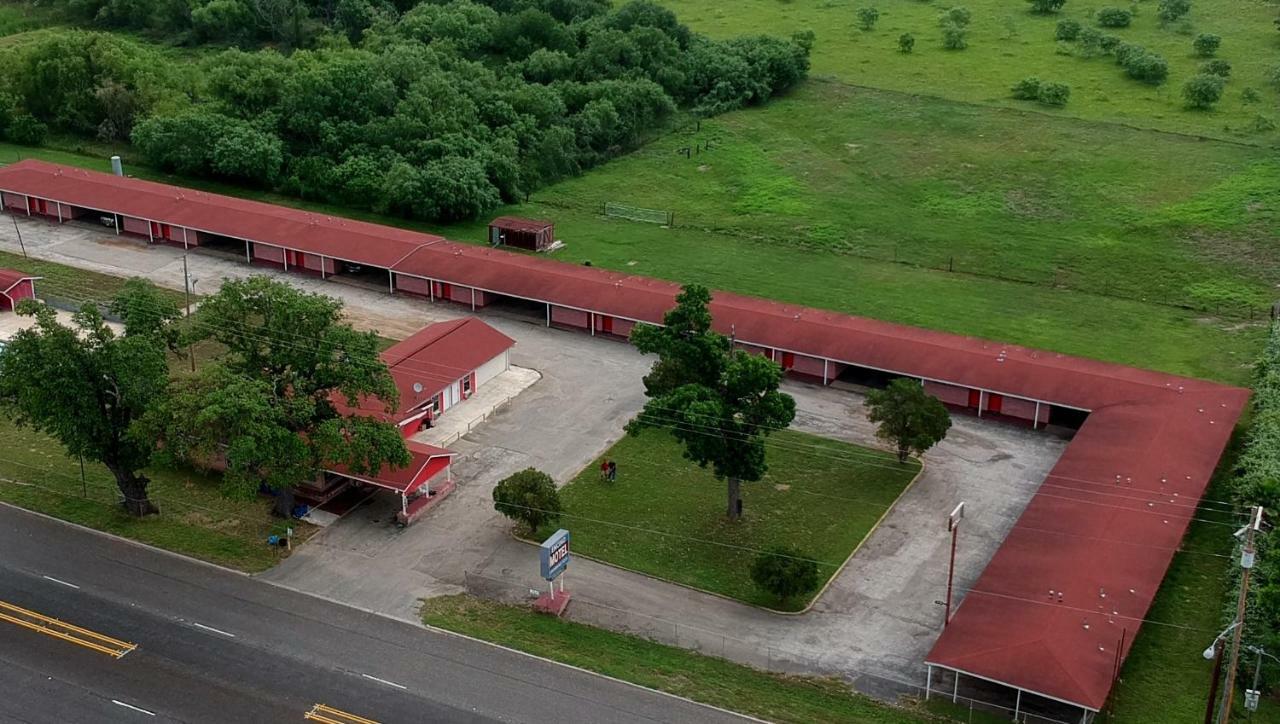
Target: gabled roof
10	278
426	462
1101	528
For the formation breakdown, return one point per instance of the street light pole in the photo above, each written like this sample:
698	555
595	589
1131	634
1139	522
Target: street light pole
953	527
1214	652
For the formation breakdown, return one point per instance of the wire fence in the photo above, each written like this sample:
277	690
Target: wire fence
637	213
971	701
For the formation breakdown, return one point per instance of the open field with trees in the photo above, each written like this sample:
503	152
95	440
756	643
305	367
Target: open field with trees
820	497
1007	41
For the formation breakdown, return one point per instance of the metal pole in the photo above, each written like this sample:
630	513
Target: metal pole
84	486
1213	683
951	572
955	689
1246	563
186	284
928	682
19	233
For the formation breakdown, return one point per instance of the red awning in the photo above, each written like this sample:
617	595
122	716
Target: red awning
427	462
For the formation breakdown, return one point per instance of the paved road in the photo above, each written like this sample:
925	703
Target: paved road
220	647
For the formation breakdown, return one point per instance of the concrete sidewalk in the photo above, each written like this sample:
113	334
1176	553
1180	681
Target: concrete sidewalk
463	417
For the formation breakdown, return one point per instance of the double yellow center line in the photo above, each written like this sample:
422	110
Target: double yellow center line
329	715
67	632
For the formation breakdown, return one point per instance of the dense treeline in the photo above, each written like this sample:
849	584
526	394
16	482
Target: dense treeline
1259	484
438	110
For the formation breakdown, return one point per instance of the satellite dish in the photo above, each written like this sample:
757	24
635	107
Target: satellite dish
417	388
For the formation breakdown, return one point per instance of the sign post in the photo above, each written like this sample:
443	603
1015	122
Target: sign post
553	559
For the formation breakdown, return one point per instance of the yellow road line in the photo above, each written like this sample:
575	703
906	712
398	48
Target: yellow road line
328	715
67	632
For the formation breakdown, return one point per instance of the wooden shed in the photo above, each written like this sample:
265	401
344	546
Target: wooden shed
531	234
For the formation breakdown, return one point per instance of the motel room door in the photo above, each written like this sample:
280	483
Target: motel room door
452	394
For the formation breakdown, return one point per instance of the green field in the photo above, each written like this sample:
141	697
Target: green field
820	497
195	519
1008	43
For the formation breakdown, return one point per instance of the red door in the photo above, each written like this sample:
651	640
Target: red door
445	291
788	360
974	397
994	403
606	324
42	206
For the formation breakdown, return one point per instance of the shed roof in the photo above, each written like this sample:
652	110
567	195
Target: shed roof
426	461
519	223
1101	528
10	278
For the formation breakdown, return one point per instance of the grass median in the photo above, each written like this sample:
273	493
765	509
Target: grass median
665	515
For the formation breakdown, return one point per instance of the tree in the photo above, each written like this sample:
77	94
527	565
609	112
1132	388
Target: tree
953	37
1207	44
912	420
86	386
785	573
1054	94
719	403
1067	30
1114	17
1027	89
1046	6
957	16
1218	67
1171	10
1203	91
529	497
867	18
906	43
271	411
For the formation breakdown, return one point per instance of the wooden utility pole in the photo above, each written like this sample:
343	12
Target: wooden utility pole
1213	683
186	285
1246	564
953	527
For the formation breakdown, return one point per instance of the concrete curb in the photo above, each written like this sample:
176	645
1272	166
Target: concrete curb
812	602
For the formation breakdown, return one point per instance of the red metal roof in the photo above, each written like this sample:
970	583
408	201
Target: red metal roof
10	278
1101	528
519	223
426	462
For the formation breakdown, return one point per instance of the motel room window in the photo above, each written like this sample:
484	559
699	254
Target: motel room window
466	385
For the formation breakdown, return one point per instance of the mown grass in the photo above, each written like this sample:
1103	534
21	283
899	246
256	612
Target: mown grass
706	679
195	519
69	283
1128	331
665	516
1008	43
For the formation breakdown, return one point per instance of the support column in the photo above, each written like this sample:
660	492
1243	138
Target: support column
473	299
955	689
982	398
1035	421
1017	705
28	200
284	254
431	290
323	259
591	320
151	237
824	384
391	282
548	314
928	681
117	218
59	205
404	504
184	238
248	258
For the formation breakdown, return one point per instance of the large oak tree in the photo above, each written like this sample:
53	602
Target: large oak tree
720	403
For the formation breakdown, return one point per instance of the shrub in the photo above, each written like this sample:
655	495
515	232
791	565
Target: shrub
1090	42
953	38
1067	30
530	497
1027	89
1170	10
1046	6
958	16
25	130
1114	17
867	18
1203	91
1250	95
1218	67
1148	68
906	42
1054	94
1262	124
1109	43
1124	52
1207	44
785	573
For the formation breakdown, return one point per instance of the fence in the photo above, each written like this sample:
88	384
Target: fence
777	659
636	213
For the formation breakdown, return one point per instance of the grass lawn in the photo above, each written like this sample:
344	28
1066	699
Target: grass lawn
706	679
1008	43
70	283
820	497
1128	331
195	519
